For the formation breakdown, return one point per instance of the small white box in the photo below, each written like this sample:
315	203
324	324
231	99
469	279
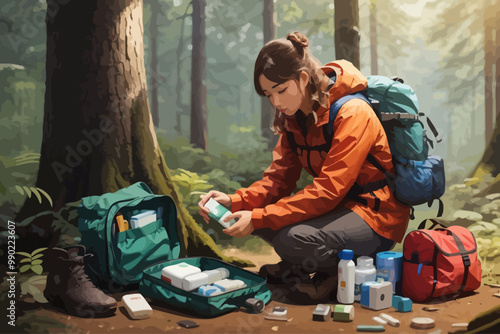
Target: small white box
219	213
142	219
192	282
174	274
137	306
381	296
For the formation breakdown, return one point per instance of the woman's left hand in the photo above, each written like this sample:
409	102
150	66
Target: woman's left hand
242	227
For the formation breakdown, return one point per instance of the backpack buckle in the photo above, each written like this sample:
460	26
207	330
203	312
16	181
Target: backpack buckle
466	260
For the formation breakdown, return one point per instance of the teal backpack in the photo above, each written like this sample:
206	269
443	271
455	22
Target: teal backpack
119	259
419	178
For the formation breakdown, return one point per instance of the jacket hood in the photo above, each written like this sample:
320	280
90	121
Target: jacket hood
349	79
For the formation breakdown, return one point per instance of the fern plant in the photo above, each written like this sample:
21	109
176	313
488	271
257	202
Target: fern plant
33	260
35	191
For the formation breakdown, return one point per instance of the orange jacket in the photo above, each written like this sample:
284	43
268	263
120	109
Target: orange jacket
357	132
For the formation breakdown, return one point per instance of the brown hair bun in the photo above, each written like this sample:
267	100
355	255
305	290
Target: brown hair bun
299	40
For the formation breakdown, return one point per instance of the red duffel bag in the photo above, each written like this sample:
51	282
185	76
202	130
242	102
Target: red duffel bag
439	262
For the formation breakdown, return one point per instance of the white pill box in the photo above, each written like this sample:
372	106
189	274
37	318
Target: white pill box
142	219
192	282
219	212
175	274
137	306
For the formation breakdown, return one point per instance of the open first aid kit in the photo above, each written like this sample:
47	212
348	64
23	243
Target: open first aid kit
132	235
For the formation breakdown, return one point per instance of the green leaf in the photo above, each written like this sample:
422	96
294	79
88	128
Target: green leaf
24	254
37	269
26	259
28	191
46	196
36	256
37	194
20	190
24	268
35	262
38	250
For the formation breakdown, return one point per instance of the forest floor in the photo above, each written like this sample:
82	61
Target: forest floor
43	318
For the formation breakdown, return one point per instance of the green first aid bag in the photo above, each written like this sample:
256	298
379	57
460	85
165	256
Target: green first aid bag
135	257
120	258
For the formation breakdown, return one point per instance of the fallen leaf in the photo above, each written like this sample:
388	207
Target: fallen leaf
497	295
275	328
493	285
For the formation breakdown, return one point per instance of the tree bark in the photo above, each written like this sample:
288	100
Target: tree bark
489	51
267	110
347	34
181	108
199	133
497	63
98	133
373	37
154	71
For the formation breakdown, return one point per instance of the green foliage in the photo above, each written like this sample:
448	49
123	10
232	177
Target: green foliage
470	204
190	186
38	192
33	260
34	285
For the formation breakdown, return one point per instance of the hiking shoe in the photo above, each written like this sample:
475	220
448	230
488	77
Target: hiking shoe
282	273
70	288
322	287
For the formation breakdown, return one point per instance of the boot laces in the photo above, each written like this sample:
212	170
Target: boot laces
78	270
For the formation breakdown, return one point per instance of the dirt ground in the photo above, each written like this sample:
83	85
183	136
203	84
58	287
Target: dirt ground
48	319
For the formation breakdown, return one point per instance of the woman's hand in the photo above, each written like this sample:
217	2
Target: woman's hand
242	227
219	196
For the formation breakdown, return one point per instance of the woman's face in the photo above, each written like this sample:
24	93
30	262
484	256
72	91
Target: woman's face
286	97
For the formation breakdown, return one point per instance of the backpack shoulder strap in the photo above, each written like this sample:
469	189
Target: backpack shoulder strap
335	107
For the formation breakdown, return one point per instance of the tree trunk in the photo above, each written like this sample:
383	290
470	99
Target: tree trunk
373	37
489	163
181	108
347	31
267	110
98	133
489	54
497	63
154	72
199	133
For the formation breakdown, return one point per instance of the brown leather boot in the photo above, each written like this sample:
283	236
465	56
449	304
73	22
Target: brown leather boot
322	287
70	288
283	273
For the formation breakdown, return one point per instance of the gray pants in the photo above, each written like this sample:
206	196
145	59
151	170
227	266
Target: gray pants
314	244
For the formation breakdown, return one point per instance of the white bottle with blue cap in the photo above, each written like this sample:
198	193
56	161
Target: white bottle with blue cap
347	272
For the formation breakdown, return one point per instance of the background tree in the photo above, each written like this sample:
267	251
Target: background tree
373	37
490	23
98	133
268	111
156	10
347	33
199	133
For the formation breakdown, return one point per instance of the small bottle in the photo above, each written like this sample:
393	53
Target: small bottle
347	270
365	271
